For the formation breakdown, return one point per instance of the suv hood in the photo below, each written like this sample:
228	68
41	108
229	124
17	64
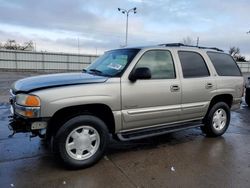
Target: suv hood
54	80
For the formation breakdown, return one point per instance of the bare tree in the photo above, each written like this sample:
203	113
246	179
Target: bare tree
235	53
187	41
241	59
27	46
10	45
13	45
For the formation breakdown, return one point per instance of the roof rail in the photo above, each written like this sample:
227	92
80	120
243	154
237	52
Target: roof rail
172	44
181	44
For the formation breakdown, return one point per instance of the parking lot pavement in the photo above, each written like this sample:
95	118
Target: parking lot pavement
7	78
182	159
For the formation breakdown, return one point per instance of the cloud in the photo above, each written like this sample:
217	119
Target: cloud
57	24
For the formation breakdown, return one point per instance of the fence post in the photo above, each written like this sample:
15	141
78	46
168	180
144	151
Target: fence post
43	62
68	62
16	60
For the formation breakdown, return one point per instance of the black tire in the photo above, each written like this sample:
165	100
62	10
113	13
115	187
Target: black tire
208	128
247	96
60	140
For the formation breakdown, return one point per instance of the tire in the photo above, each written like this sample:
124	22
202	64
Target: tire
81	141
247	96
217	120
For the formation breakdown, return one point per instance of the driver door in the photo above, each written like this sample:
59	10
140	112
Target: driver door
155	101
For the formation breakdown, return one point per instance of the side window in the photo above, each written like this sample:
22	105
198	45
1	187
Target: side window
159	62
193	65
224	64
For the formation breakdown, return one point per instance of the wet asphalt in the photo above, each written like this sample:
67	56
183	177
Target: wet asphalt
181	159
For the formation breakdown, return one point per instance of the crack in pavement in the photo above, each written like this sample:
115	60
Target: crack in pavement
124	173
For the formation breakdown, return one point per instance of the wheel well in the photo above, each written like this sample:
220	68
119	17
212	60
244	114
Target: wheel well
227	98
101	111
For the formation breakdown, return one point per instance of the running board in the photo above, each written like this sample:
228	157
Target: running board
155	131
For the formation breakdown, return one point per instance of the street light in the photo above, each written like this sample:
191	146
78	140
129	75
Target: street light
126	12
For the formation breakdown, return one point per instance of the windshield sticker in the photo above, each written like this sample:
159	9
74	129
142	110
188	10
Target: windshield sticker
115	66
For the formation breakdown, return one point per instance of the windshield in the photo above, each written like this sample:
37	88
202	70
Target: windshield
112	63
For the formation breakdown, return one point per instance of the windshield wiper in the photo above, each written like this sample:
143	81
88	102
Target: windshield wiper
98	72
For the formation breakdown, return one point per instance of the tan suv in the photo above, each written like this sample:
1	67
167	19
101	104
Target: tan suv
129	93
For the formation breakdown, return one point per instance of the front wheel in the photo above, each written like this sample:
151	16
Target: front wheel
81	141
217	120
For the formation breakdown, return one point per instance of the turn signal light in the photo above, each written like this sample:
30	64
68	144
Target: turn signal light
29	114
32	101
28	100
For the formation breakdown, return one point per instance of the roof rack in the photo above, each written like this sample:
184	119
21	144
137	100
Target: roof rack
181	44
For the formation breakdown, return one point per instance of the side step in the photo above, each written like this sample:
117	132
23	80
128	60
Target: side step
155	131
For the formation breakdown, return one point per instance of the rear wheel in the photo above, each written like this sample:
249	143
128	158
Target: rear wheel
217	120
81	141
247	96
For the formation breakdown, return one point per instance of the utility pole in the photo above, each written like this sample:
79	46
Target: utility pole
78	45
126	12
197	42
34	46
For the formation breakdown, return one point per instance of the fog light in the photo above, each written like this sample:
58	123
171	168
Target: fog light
38	125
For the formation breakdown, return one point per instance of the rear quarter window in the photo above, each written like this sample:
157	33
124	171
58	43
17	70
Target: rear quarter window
224	64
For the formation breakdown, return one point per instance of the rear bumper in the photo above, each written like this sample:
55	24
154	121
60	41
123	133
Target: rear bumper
236	104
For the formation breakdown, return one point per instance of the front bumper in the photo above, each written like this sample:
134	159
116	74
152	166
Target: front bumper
19	124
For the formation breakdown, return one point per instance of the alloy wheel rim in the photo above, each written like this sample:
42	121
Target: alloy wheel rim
219	119
82	143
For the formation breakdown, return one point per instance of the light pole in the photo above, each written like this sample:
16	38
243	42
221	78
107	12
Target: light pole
126	12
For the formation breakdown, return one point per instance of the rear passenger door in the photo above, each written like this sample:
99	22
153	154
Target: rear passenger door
229	78
197	85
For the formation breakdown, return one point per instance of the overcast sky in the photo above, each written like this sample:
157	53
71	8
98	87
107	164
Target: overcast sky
56	25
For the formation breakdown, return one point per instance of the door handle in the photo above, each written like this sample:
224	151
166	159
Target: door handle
209	85
174	88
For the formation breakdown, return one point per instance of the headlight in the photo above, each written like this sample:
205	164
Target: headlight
30	112
27	105
28	100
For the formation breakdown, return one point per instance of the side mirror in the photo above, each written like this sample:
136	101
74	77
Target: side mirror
140	73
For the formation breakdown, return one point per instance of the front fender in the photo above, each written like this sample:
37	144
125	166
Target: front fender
52	107
54	99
